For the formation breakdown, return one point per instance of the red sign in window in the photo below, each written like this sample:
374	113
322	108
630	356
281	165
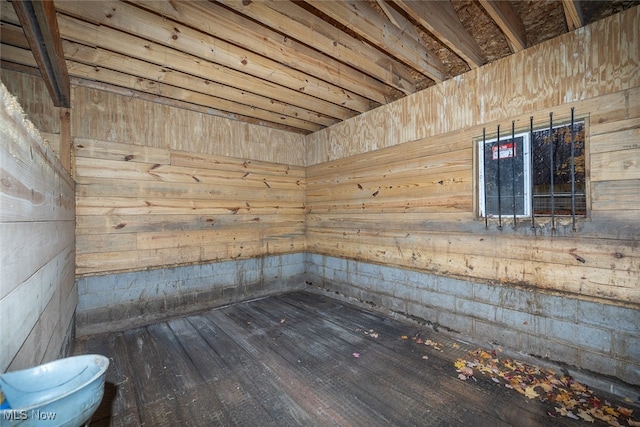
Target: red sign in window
506	151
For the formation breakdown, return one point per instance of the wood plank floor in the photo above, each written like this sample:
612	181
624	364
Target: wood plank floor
298	359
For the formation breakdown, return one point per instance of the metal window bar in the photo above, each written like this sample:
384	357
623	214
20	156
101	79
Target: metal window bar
573	173
499	183
533	215
513	169
551	171
484	167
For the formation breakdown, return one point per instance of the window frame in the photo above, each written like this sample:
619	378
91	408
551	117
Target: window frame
564	121
528	187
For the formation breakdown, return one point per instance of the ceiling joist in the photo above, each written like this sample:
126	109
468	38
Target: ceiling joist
376	29
300	24
573	14
292	65
505	17
440	19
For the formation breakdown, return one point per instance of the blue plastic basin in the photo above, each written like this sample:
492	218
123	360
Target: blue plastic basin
65	392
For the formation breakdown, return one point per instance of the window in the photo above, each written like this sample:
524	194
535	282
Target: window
539	172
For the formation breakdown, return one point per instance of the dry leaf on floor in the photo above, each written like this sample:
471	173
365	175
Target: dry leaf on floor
356	355
535	382
585	416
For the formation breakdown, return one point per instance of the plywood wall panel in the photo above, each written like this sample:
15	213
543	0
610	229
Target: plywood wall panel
594	61
115	118
411	202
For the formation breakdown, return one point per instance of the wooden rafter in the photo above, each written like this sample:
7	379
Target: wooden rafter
223	23
573	14
440	19
505	17
241	69
40	26
301	25
375	28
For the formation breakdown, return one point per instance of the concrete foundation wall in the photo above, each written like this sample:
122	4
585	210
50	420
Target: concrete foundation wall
587	337
118	301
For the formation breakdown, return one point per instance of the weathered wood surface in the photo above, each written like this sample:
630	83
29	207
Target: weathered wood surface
104	116
37	214
34	99
145	207
398	184
289	360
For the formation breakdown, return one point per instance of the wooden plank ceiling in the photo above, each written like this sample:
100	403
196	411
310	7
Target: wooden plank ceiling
293	65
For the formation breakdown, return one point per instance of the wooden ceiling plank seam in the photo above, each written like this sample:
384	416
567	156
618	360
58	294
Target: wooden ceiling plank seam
573	14
288	18
20	68
12	34
145	96
126	44
85	32
249	107
40	26
388	12
8	13
365	21
441	20
133	20
221	22
504	15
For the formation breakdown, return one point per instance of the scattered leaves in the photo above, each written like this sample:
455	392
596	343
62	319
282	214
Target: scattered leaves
570	398
435	345
404	337
530	392
356	355
371	333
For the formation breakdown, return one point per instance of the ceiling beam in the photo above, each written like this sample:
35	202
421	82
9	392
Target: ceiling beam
365	21
573	14
505	17
40	26
441	20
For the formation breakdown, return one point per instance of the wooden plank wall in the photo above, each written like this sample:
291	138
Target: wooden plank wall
158	186
38	295
396	185
36	102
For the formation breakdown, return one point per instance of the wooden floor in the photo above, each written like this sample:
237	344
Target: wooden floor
298	359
